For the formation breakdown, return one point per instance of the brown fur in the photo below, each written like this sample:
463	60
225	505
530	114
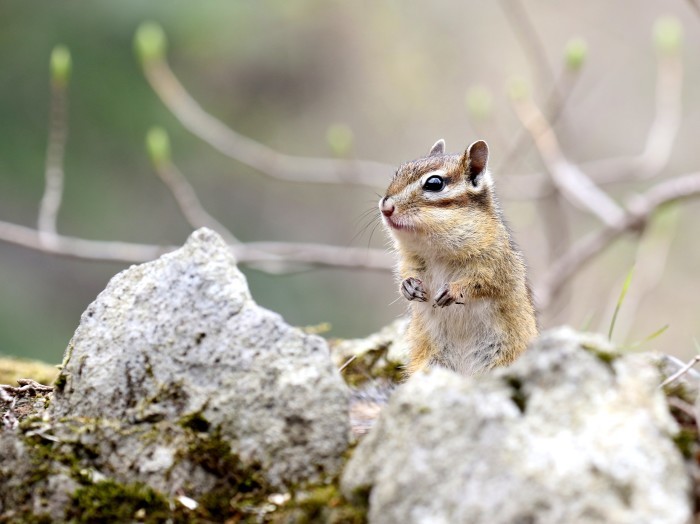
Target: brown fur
461	235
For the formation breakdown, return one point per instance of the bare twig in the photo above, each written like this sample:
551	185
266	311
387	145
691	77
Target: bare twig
318	255
72	247
686	407
58	136
280	253
288	167
553	110
558	238
657	150
347	363
254	154
526	32
27	387
678	374
662	133
573	183
4	396
638	213
695	6
189	203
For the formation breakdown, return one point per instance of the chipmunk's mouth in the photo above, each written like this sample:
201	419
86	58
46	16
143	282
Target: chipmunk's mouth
398	224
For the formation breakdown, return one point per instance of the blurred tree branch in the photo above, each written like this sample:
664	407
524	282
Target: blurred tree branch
664	128
269	256
566	181
569	180
158	145
151	46
60	67
640	210
519	19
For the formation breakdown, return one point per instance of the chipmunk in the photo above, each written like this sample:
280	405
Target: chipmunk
471	306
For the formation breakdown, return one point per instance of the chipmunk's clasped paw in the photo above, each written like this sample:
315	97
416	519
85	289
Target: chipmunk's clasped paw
412	288
447	295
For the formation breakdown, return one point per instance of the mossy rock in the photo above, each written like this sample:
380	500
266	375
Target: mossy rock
12	369
96	470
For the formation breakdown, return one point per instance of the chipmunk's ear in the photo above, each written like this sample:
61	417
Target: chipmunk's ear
438	148
475	159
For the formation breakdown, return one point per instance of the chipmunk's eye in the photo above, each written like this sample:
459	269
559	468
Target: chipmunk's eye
434	183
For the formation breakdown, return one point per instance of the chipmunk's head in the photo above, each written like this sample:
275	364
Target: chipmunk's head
445	200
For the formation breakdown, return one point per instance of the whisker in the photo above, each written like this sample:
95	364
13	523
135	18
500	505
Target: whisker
394	301
365	214
372	233
363	229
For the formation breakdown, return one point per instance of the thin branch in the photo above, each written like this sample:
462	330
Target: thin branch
573	183
662	132
695	6
72	247
657	150
347	363
678	374
686	407
254	154
188	202
553	110
317	255
58	136
557	234
288	167
639	211
253	253
525	30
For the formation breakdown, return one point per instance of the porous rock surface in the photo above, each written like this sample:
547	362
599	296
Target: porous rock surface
181	337
563	435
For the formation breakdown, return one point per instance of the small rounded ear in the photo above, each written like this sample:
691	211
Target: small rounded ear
475	159
438	148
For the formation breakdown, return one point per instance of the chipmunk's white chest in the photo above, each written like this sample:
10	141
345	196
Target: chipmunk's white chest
466	336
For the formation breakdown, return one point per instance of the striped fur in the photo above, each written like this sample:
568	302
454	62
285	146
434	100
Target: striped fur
479	312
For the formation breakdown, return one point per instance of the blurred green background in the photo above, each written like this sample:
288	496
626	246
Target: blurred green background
397	74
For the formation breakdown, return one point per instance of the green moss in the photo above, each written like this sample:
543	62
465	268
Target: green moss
517	395
109	501
686	442
239	486
679	390
196	422
326	504
60	382
604	354
240	491
373	365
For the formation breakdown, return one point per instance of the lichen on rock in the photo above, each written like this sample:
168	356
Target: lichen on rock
182	400
178	387
565	434
182	336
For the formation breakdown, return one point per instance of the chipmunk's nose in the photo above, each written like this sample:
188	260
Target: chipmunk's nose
387	206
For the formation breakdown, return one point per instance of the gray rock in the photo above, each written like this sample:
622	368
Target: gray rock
181	338
563	435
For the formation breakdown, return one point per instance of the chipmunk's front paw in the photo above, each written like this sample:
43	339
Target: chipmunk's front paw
412	288
447	295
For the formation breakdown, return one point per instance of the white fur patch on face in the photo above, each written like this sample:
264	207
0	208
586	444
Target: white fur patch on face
436	172
453	189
